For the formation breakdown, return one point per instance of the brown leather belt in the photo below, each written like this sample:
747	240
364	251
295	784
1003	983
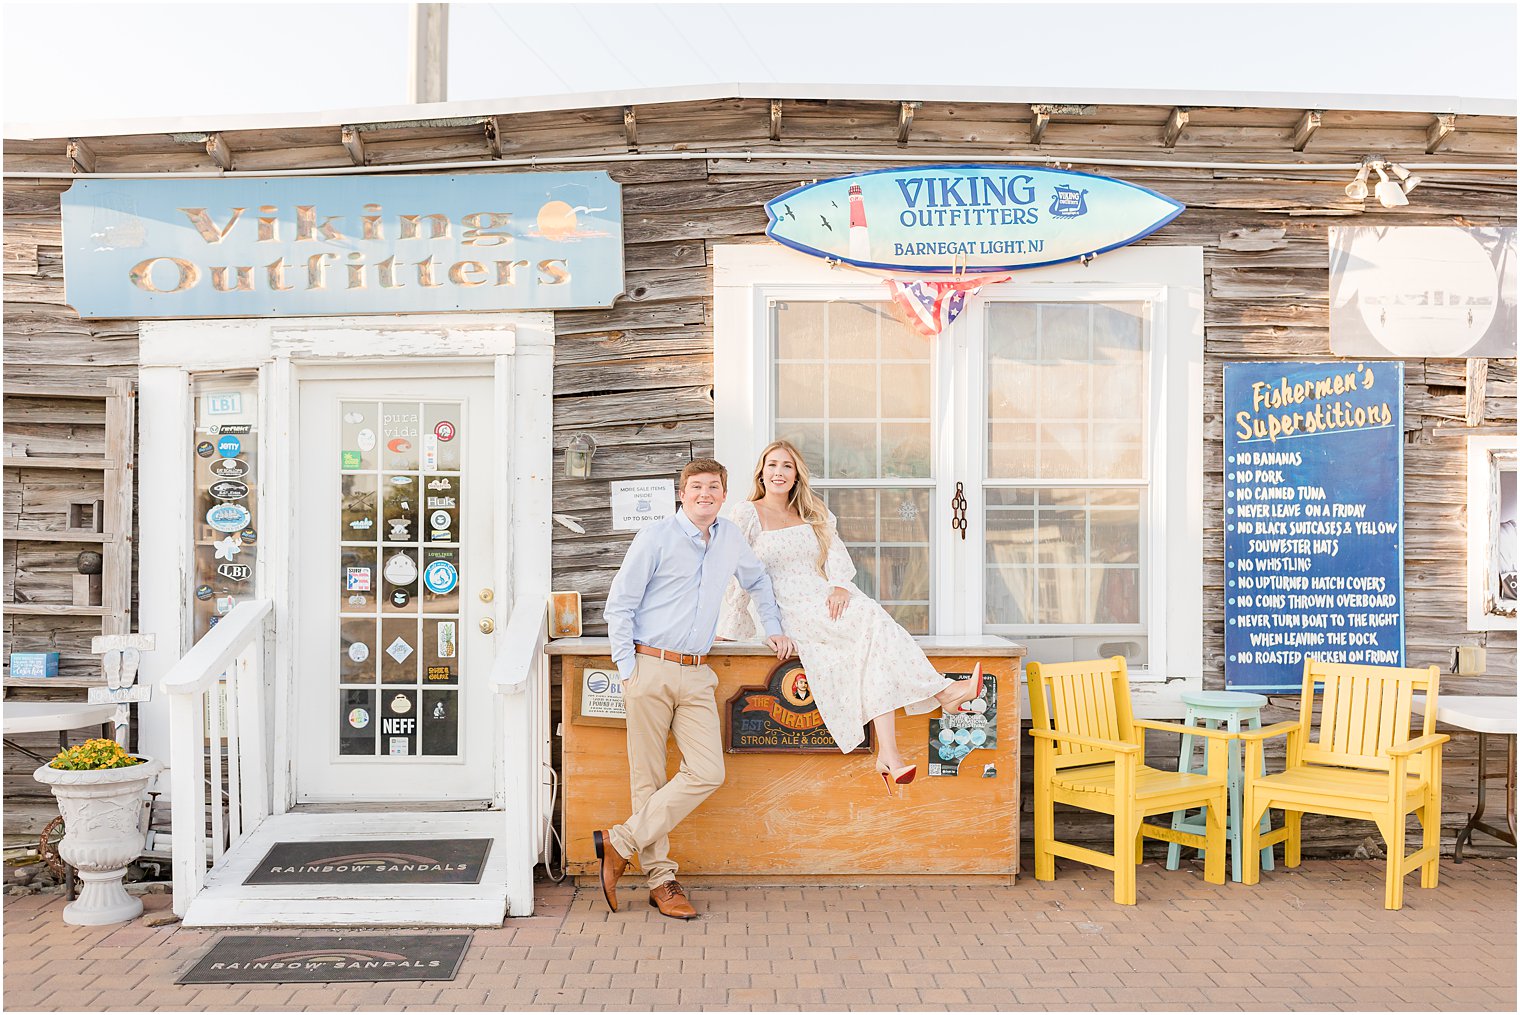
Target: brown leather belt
669	657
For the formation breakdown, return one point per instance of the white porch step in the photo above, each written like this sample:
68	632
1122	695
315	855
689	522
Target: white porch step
226	902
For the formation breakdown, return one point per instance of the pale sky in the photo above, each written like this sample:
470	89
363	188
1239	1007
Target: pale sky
66	62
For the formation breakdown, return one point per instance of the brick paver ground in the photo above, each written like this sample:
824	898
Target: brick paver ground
1315	938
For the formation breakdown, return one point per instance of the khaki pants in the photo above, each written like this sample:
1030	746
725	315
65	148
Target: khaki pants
664	698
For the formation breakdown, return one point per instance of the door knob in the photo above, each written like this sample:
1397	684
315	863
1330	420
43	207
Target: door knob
486	595
487	626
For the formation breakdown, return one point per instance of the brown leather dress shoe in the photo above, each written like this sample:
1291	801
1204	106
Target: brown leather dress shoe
670	899
613	864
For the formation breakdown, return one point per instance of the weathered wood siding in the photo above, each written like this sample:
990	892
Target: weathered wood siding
638	376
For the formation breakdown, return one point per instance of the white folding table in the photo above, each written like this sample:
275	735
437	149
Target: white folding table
1485	715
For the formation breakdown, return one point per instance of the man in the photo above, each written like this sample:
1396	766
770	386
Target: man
662	613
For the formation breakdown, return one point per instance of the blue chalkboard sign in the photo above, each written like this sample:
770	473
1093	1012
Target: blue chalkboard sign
1314	509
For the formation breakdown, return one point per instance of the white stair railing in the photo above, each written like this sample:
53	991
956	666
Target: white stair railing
217	708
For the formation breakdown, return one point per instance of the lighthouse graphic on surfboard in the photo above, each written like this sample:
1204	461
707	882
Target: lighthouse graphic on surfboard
966	219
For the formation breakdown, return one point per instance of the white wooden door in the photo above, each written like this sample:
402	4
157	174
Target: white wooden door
394	519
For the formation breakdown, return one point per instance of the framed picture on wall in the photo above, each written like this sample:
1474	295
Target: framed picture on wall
1491	592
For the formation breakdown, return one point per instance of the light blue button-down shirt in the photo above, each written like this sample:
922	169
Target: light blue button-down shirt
669	591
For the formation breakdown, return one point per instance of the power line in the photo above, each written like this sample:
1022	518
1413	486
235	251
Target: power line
526	45
723	9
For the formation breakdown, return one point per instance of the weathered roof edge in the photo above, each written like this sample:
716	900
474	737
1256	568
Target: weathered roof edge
423	113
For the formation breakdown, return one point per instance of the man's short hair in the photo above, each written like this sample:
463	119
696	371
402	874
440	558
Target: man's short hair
703	467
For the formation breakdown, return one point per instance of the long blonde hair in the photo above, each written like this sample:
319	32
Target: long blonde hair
802	498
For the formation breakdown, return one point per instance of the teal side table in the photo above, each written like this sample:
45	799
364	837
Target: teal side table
1233	710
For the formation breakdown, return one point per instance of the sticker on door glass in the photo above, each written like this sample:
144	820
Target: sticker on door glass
440	577
366	439
227	548
228	517
205	448
430	453
228	468
358	718
447	645
398	650
358	651
401	704
358	579
400	569
229	447
353	417
444	431
352	459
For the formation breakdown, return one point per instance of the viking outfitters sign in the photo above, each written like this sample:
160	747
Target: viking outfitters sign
342	245
969	219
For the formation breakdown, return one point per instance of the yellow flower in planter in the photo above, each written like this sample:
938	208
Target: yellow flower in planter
93	755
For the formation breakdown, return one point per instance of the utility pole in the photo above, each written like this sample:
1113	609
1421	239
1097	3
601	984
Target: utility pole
430	53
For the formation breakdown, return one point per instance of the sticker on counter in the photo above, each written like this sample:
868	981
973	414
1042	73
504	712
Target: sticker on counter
229	447
205	448
358	579
358	651
444	431
602	695
398	650
358	718
228	517
229	468
235	572
227	548
400	569
352	460
229	489
366	439
447	646
440	577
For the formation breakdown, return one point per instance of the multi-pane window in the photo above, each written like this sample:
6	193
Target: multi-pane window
1067	476
854	390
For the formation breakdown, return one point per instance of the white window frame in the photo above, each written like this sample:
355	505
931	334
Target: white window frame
1486	611
748	277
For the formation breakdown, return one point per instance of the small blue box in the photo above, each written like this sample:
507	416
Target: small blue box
34	664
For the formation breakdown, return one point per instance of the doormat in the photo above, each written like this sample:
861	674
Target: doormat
351	958
373	862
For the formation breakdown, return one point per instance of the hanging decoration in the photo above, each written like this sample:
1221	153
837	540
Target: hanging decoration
928	307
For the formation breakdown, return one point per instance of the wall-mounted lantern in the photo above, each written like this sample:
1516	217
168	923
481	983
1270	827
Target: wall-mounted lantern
578	454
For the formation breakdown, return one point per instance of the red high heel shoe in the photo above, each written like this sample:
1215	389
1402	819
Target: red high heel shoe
895	776
975	684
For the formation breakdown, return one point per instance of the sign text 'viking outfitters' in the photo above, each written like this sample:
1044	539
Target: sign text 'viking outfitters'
342	245
970	219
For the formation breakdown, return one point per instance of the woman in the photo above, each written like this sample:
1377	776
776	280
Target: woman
861	665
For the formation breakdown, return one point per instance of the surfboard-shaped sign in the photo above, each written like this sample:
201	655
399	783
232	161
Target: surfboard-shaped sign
965	218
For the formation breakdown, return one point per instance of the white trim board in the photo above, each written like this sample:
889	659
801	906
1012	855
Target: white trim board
433	112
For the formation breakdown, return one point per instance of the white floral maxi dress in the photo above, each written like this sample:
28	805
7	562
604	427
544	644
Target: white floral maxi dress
860	666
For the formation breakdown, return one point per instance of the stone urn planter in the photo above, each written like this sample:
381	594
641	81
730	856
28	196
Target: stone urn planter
102	810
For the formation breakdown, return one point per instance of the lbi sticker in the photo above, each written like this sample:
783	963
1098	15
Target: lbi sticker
440	577
229	447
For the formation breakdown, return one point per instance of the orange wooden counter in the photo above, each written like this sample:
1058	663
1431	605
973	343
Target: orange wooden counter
821	816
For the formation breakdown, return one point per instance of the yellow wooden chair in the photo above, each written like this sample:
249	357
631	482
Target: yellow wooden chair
1363	765
1090	753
